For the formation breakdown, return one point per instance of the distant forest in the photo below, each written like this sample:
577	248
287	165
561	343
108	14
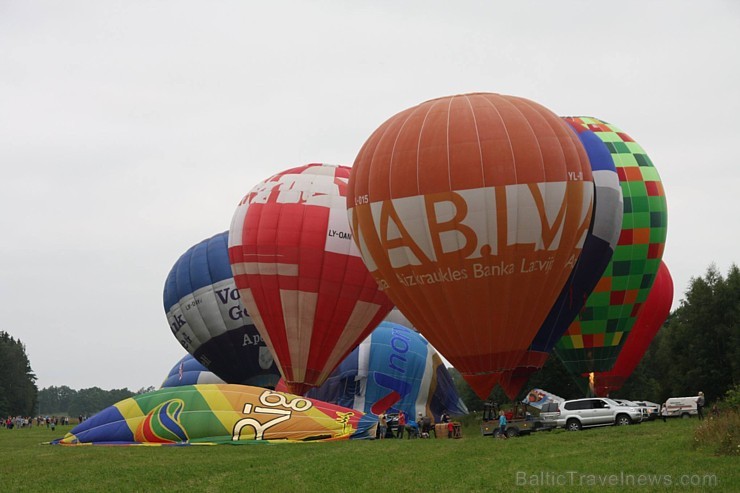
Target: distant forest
698	348
63	401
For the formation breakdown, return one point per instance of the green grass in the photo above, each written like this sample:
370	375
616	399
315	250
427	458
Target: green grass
474	463
721	433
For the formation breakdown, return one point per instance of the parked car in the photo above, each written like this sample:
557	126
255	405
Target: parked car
643	409
597	411
683	407
652	408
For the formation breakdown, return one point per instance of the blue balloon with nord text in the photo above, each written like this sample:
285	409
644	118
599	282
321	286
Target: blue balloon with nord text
394	369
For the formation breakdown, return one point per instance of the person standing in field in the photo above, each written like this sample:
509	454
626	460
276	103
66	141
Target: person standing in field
383	425
425	425
663	411
412	429
502	424
401	424
700	405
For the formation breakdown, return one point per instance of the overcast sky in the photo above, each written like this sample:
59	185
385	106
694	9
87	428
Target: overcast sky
129	130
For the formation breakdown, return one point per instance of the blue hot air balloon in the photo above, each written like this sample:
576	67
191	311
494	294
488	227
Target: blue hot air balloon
394	369
188	371
207	318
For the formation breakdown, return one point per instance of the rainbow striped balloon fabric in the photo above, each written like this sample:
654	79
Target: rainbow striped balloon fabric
218	414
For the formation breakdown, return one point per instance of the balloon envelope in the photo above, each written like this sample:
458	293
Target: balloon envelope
593	341
649	321
299	273
396	317
471	211
394	369
205	315
199	414
597	251
188	371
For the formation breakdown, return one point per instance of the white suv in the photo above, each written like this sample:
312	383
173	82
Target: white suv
597	411
653	409
643	409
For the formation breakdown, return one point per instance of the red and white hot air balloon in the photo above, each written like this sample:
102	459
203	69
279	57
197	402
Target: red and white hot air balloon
300	275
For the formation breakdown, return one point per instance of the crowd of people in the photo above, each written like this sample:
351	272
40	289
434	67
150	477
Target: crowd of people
19	422
420	427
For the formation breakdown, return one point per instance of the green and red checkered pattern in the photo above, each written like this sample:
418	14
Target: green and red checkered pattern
594	339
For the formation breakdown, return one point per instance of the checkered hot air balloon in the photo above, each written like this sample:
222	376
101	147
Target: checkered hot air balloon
649	321
595	338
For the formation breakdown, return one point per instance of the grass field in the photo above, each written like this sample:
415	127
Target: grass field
653	456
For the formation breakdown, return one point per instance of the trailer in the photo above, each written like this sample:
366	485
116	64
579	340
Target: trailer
683	407
519	421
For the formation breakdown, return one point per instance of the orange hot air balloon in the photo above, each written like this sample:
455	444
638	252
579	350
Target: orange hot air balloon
471	211
650	319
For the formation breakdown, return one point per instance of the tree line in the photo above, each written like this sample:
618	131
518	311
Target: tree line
698	348
17	381
19	395
64	401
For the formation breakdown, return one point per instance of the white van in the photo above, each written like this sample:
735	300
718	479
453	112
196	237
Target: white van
683	407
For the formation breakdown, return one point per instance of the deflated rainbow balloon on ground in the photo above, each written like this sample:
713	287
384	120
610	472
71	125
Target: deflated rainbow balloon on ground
217	414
